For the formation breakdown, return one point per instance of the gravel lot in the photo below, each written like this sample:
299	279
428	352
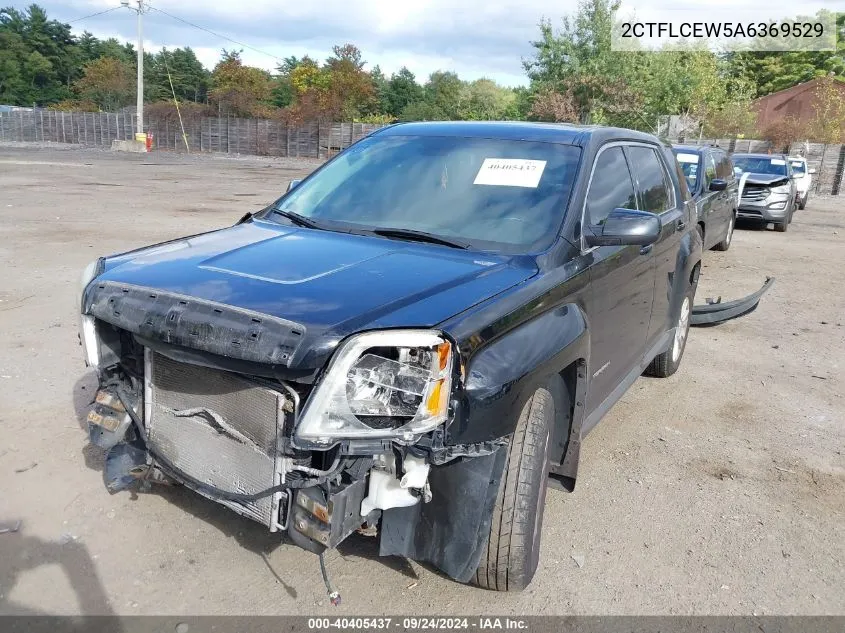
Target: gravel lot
720	490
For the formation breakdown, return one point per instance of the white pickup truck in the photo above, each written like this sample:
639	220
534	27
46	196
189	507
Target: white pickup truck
803	177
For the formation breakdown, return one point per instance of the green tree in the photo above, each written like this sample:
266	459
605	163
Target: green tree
107	82
238	89
576	62
37	56
190	79
282	93
443	93
484	100
402	89
351	92
770	71
422	111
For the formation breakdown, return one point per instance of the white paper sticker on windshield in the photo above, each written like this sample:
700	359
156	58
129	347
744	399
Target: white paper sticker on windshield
778	161
510	172
687	158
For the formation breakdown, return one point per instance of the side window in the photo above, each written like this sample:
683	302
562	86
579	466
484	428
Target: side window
611	186
724	169
656	191
709	170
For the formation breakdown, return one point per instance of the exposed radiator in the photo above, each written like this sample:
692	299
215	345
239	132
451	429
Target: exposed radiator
219	428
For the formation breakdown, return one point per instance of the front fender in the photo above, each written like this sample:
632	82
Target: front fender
501	376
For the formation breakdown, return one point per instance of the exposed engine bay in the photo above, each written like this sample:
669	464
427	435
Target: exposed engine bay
247	442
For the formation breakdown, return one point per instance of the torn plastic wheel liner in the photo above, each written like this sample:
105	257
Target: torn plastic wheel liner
713	313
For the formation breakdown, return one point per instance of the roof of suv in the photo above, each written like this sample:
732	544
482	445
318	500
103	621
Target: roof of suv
695	149
564	133
758	155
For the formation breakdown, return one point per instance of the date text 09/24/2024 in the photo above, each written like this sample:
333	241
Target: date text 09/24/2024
417	623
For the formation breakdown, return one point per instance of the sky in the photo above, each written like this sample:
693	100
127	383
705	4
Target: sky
475	38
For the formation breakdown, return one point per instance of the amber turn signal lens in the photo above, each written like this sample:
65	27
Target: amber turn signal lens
435	402
443	351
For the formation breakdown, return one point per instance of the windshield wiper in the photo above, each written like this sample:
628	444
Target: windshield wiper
421	236
296	218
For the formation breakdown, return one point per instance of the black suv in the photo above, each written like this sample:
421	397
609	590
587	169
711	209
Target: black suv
711	180
413	341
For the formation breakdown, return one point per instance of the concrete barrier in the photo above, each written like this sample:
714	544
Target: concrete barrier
138	147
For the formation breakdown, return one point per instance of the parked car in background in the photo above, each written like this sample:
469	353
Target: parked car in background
803	176
414	339
769	191
710	177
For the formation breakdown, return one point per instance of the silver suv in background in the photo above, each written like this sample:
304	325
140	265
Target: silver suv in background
768	193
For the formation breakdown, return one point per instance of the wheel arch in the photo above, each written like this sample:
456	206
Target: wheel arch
550	351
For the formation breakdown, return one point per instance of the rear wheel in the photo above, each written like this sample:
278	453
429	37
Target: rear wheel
725	244
510	556
803	204
667	363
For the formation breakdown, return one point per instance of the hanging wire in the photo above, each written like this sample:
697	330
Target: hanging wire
175	100
201	28
93	15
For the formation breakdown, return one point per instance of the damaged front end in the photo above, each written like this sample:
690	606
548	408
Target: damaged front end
200	394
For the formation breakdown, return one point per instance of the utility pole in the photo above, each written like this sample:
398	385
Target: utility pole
140	100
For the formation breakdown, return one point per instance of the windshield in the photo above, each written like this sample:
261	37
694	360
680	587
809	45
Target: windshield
690	166
798	167
760	165
493	194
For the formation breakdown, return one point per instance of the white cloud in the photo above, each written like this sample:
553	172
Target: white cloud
472	37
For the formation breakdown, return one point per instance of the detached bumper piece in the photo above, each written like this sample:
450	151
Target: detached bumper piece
716	312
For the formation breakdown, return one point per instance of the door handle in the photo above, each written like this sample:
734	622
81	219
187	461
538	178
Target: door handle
681	225
645	250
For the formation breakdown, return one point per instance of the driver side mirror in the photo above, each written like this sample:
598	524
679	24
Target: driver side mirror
293	183
625	227
718	184
812	170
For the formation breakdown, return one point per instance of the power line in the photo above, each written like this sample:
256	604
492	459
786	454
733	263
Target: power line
229	39
93	15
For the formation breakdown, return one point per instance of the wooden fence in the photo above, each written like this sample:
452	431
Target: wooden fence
228	135
264	137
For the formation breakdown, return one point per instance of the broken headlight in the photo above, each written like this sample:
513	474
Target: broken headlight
393	384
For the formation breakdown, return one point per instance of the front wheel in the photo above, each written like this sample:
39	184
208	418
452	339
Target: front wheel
668	362
803	204
509	558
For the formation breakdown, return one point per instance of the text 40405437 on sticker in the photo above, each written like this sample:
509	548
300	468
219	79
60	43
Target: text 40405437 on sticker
510	172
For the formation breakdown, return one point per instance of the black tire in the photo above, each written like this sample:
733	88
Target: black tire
782	227
804	200
509	557
667	363
725	244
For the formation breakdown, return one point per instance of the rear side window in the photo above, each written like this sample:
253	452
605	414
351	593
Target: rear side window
611	186
709	170
654	185
724	167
